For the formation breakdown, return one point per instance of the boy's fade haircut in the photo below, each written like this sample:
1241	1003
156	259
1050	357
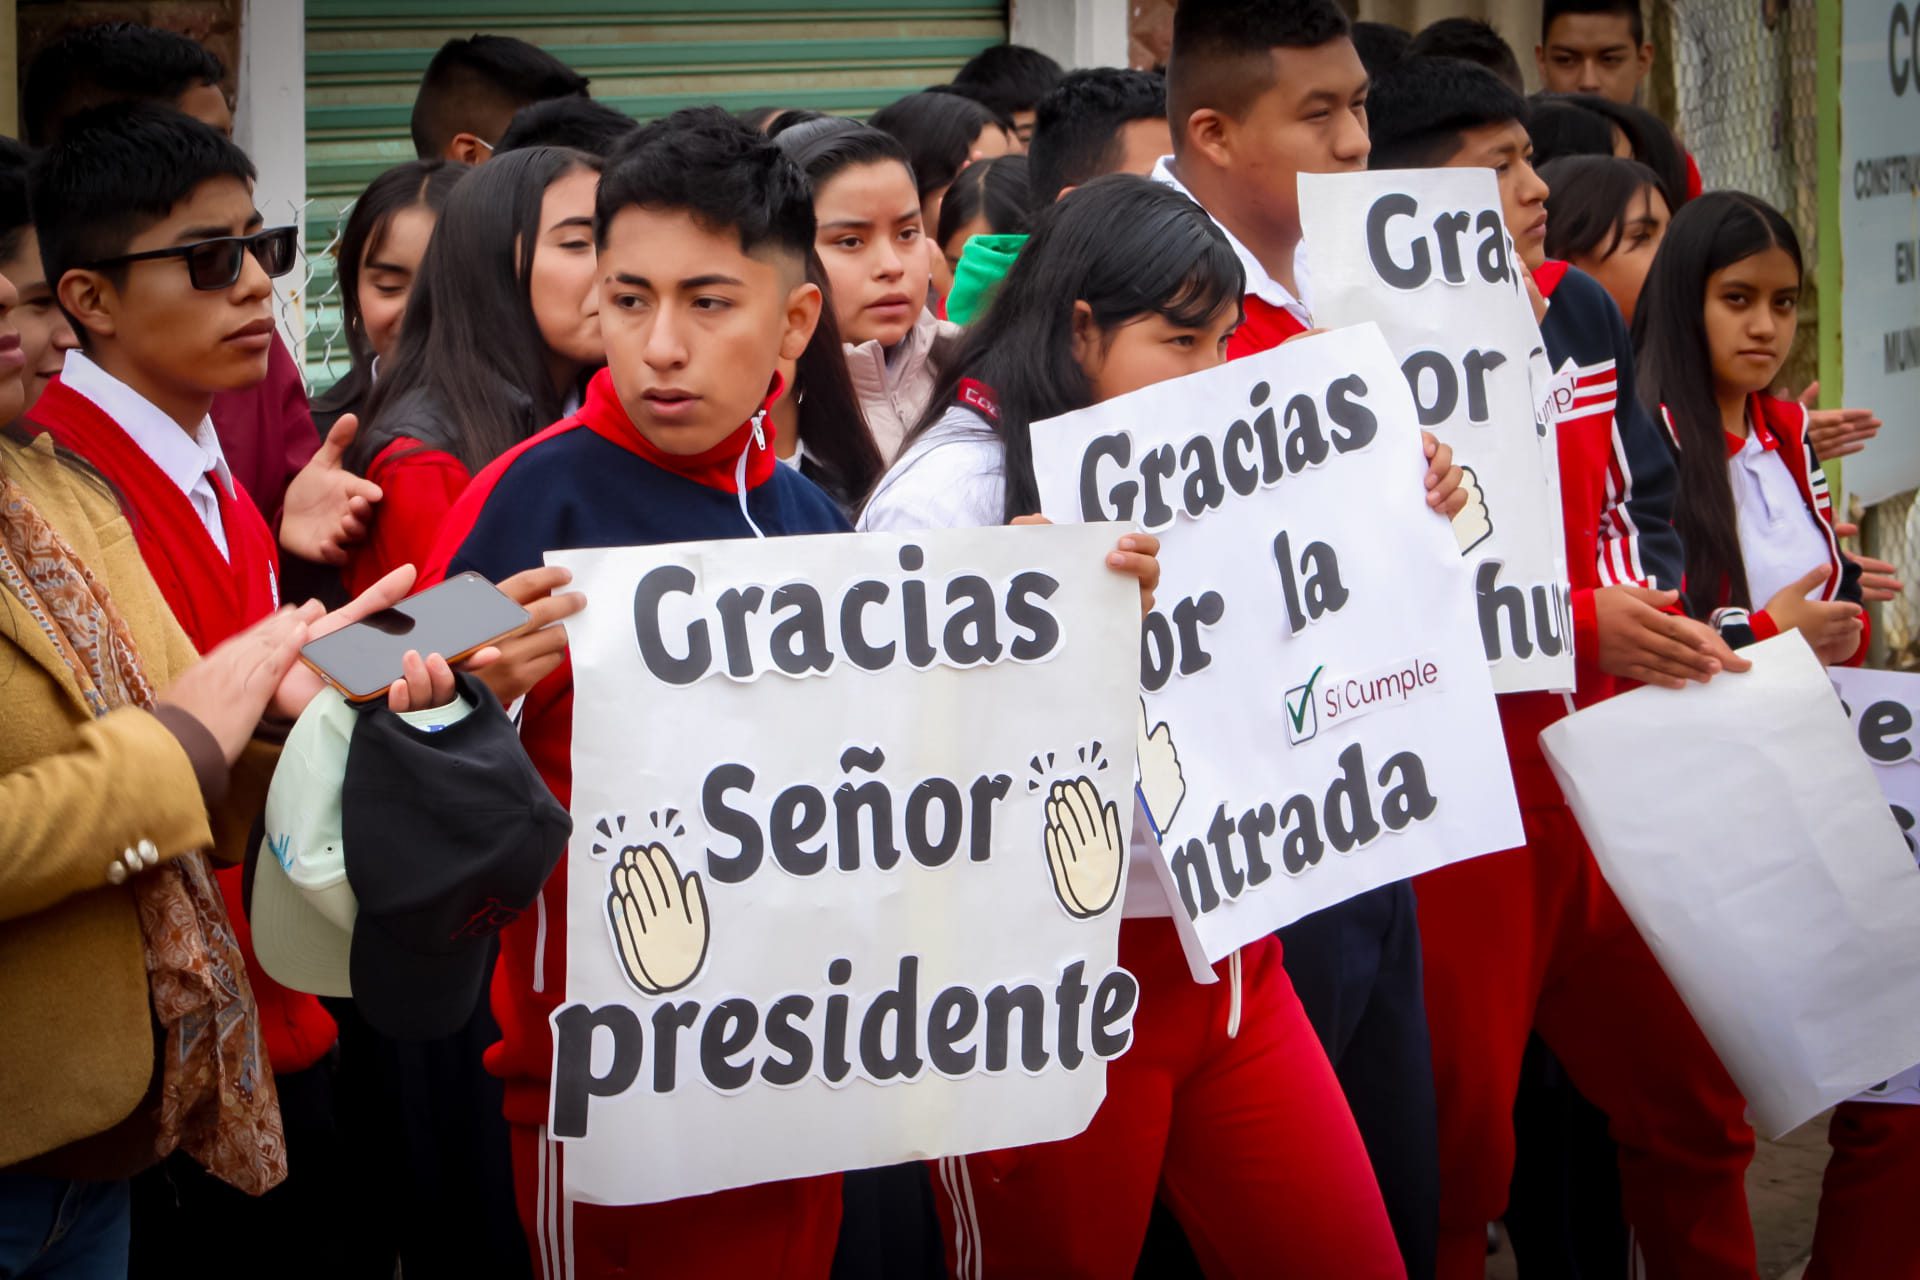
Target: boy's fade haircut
1221	56
1474	41
484	70
1076	128
1380	45
116	171
1009	77
1552	10
1418	110
15	213
107	62
722	173
574	122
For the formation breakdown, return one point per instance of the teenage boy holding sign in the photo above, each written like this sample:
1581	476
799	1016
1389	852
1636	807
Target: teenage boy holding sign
1532	937
705	230
1259	92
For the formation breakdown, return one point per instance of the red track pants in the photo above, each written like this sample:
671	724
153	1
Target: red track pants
777	1230
1247	1137
1866	1223
1532	938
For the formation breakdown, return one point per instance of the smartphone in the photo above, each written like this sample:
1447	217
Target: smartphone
455	618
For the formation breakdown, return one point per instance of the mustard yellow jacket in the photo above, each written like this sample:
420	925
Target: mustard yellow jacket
76	1028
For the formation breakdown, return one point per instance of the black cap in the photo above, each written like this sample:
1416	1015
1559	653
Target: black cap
449	834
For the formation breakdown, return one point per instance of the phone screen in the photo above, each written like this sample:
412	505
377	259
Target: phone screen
453	619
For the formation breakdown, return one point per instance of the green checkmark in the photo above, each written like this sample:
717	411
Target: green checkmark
1298	714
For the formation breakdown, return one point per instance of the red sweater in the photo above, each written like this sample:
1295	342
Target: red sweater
213	596
419	486
1265	327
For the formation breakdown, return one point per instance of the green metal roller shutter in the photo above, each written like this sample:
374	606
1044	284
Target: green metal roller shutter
646	57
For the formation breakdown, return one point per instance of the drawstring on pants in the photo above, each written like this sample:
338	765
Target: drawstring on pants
1233	997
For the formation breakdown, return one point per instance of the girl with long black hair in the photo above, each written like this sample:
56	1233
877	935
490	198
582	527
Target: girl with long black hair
376	263
820	427
1226	1104
873	243
1715	322
502	329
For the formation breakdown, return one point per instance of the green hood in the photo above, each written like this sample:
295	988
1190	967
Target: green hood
984	263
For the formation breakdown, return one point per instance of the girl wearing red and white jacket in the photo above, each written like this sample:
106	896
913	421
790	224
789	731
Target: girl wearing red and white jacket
1226	1105
1720	308
1715	323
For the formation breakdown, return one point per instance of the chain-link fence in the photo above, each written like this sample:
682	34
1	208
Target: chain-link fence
1739	78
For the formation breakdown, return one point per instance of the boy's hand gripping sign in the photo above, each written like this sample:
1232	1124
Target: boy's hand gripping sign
850	820
1318	719
1425	255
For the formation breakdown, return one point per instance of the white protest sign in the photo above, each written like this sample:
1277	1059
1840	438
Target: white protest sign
850	820
1880	707
1884	708
1747	838
1424	254
1313	663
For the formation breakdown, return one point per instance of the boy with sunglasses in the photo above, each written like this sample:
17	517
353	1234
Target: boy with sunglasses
155	251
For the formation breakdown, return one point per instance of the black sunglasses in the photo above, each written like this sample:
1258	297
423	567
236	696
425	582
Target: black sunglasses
215	264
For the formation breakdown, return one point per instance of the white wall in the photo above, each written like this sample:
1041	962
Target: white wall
1075	33
270	124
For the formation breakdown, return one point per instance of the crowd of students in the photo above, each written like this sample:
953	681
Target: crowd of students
570	329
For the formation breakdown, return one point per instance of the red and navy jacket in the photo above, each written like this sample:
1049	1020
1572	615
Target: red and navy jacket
1780	427
1617	485
592	480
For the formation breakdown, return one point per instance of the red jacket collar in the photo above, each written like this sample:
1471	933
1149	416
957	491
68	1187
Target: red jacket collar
1549	275
717	468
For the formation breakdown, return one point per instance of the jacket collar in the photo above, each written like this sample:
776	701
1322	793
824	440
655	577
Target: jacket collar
744	460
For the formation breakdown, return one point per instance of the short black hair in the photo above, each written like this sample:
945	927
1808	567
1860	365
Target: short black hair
1586	214
1220	56
1380	45
938	130
1010	77
995	190
106	62
578	123
1560	127
1473	40
1076	129
724	174
1418	110
1550	10
484	71
15	215
116	171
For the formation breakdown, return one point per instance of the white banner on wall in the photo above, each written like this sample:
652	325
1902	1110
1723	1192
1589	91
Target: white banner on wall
1796	943
1313	662
1880	237
1424	254
850	826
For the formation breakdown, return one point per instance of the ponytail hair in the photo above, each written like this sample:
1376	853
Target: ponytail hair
1711	233
1127	247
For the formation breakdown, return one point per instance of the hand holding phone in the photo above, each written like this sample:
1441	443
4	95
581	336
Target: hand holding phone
454	619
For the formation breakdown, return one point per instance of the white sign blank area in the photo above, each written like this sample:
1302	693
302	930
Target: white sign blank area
1744	833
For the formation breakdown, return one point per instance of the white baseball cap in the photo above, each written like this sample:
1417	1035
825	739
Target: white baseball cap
302	909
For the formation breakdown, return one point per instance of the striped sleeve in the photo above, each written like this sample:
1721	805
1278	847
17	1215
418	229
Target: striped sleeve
1637	544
